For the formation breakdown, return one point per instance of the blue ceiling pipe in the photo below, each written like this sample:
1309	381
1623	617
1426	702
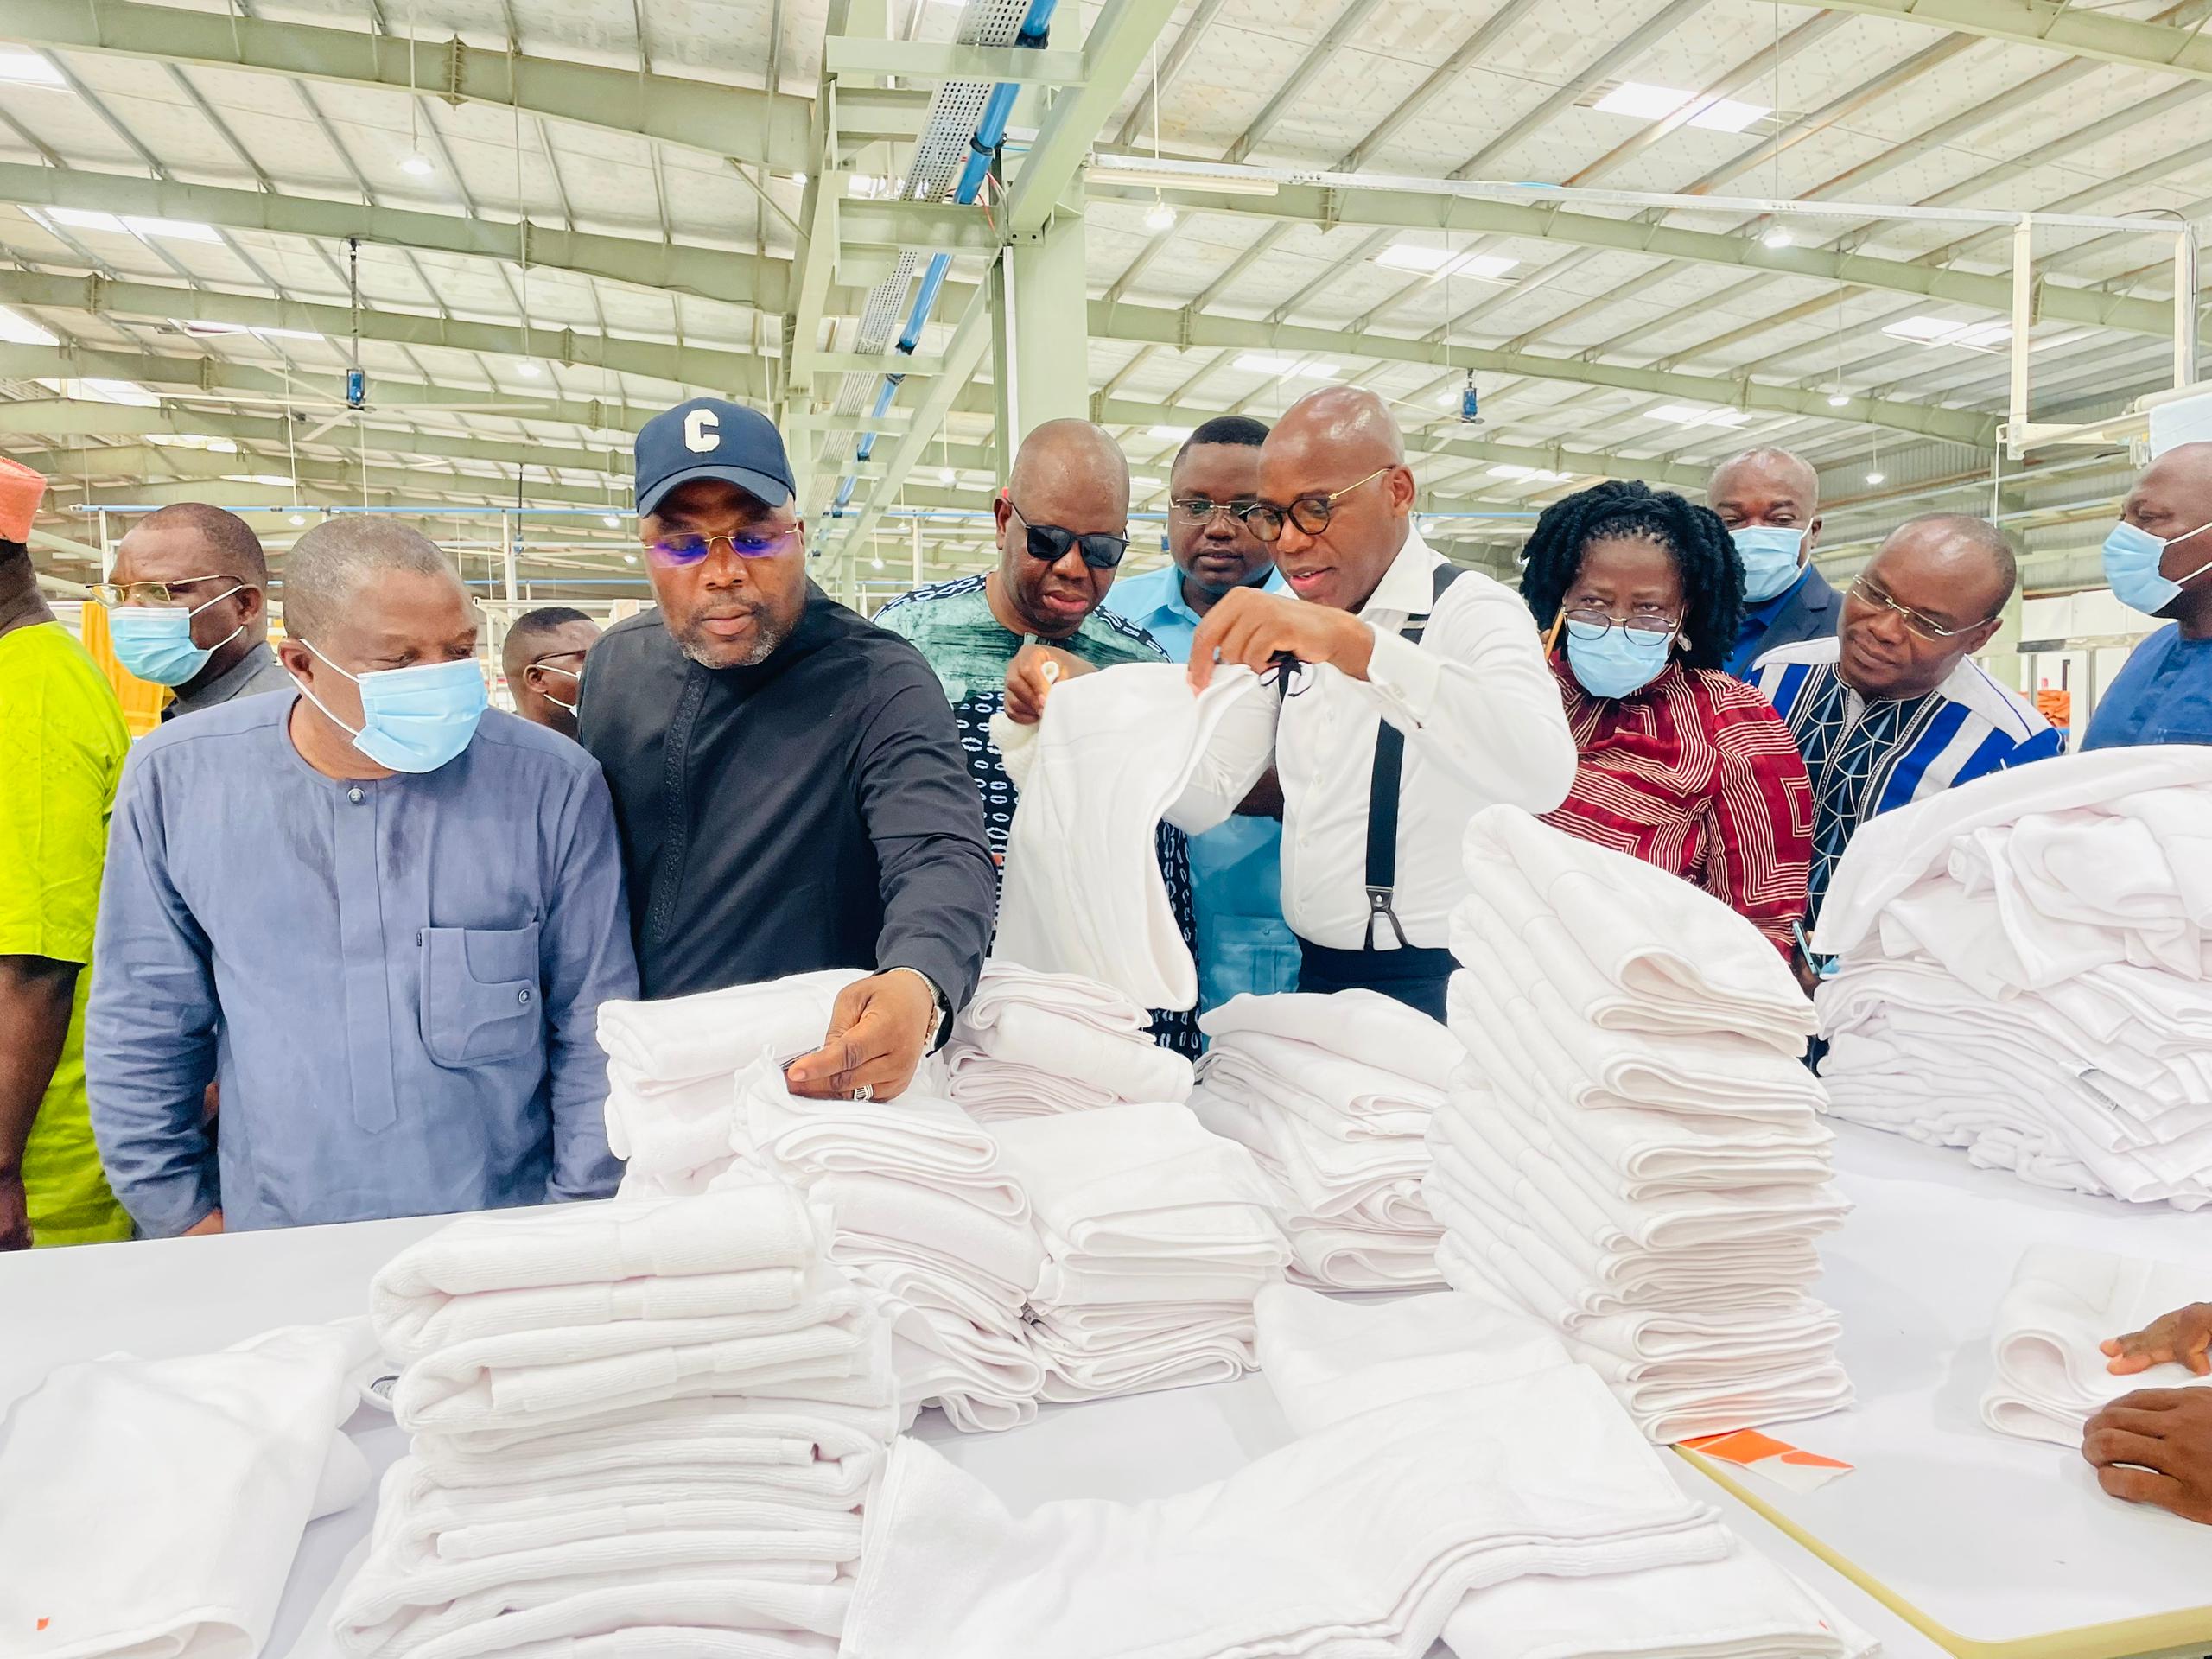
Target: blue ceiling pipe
990	131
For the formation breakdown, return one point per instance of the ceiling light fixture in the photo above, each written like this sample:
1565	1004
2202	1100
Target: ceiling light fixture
30	69
947	477
1688	415
173	230
1651	103
1108	170
1838	398
1775	238
1160	216
1876	477
629	558
299	518
611	521
269	480
875	564
530	371
419	164
799	178
1435	262
1277	363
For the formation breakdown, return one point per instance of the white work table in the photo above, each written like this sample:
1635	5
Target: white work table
1999	1541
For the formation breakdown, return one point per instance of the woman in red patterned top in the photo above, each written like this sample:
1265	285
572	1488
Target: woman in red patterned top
1639	594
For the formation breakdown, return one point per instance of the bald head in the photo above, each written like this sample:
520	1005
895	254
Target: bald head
2174	495
1068	475
1953	573
1072	454
219	542
329	568
1339	447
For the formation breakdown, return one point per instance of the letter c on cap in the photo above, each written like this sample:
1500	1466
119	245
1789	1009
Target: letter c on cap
703	431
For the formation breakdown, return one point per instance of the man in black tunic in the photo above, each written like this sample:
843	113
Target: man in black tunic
787	779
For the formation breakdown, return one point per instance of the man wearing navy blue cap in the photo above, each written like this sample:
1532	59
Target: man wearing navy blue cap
787	779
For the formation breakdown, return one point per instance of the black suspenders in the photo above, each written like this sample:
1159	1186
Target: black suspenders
1382	795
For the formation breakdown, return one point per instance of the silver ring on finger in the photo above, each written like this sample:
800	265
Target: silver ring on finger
866	1091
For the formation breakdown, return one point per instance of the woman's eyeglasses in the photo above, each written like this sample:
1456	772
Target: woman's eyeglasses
1050	543
682	548
1311	513
1647	630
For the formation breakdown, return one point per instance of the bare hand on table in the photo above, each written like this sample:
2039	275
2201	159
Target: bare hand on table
878	1030
2155	1447
2181	1337
1251	628
1030	678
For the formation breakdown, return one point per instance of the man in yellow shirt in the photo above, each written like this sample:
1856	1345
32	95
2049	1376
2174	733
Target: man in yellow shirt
61	748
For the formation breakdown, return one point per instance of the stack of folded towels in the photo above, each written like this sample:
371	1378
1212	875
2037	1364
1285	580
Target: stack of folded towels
2024	970
1031	1044
1157	1236
671	1067
1632	1151
928	1215
2063	1304
1334	1095
638	1429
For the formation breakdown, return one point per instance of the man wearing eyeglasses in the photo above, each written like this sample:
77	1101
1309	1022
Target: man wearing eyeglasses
1893	710
186	608
1243	944
787	780
1420	696
543	657
1063	524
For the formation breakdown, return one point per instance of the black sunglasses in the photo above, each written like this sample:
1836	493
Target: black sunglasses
1050	543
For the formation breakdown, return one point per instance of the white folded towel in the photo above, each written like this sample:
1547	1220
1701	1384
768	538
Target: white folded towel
594	1245
1129	1066
1327	1360
1146	1181
1660	940
1082	892
1364	1027
153	1506
411	1327
680	1038
1364	1538
2061	1305
881	1218
918	1138
1004	985
1742	1607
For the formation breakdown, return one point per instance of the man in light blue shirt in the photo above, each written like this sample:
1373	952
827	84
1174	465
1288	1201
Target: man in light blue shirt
2159	560
381	915
1243	944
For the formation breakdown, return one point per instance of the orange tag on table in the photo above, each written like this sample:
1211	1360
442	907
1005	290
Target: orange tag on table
1779	1461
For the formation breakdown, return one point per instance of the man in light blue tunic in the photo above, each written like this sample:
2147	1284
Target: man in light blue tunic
382	916
1243	944
2159	560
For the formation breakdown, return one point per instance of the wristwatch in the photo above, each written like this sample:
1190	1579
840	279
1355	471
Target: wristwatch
942	1029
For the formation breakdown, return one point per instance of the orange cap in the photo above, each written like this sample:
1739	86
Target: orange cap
21	490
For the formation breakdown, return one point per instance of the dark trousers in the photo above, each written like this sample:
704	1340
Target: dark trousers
1416	978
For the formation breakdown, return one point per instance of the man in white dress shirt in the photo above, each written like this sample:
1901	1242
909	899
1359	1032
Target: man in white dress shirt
1421	697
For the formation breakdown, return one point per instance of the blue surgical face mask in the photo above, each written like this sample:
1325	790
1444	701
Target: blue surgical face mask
1613	665
413	719
1771	554
155	641
2132	556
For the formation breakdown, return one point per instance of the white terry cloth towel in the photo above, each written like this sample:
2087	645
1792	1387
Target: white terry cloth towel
937	1231
593	1244
1666	945
1337	1097
1082	892
917	1138
1363	1539
153	1506
1155	1348
1363	1027
1910	843
1742	1607
1327	1360
681	1040
476	1524
1587	1063
2062	1305
817	1451
764	1599
1054	1035
563	1373
1143	1183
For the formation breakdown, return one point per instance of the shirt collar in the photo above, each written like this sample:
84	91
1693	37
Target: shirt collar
1169	601
229	683
1407	587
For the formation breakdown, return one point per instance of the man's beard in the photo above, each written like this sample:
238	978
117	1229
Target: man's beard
769	633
